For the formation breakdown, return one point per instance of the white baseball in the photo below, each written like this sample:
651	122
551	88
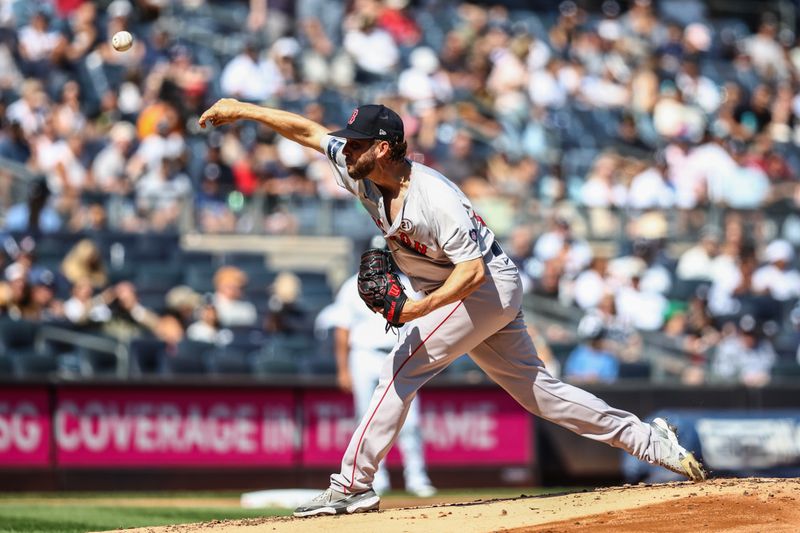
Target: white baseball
122	40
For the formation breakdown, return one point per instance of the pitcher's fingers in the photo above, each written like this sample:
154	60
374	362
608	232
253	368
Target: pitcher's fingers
203	118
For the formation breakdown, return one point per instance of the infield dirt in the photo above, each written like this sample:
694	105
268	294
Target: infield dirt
729	505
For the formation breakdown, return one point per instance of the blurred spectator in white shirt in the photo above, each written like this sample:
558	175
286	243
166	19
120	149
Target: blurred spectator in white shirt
745	355
161	193
768	57
544	87
424	83
31	108
697	89
249	78
372	48
672	117
747	187
696	262
600	188
206	328
777	278
641	308
591	284
37	44
108	168
232	310
84	308
650	189
560	244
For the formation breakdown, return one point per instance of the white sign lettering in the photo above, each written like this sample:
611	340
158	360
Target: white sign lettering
167	427
472	428
19	428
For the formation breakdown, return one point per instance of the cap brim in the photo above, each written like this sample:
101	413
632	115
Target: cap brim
350	134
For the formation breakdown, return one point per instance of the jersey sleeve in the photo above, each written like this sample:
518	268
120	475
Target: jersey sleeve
333	147
456	231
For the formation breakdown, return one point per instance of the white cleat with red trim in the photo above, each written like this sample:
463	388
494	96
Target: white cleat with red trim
335	502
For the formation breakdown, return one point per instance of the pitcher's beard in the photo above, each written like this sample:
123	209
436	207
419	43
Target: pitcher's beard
363	167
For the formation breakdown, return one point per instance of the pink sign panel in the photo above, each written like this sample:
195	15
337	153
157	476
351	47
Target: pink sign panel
175	427
24	427
459	427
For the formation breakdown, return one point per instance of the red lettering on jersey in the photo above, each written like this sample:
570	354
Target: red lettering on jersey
394	290
478	218
379	224
406	241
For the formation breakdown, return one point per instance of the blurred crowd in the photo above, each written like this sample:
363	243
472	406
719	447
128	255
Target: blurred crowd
86	294
566	123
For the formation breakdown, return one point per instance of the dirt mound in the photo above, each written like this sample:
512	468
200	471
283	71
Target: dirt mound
730	505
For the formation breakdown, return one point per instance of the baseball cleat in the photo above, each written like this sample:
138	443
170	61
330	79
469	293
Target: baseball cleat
675	457
332	502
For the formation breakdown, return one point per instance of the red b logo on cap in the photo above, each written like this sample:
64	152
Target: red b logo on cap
353	116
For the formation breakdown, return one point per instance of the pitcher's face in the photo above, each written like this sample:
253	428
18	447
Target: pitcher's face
360	157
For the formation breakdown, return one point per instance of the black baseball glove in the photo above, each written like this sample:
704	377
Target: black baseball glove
379	286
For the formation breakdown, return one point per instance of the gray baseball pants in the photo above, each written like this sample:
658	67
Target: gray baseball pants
488	325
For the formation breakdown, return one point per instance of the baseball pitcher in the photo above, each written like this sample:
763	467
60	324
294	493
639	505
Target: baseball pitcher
473	297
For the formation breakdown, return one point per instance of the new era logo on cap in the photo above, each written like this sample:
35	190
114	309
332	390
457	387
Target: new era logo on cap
373	121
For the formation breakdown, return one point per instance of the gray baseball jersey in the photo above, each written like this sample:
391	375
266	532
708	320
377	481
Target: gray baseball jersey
441	229
437	227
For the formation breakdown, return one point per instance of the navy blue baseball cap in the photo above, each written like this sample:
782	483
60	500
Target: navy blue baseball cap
372	121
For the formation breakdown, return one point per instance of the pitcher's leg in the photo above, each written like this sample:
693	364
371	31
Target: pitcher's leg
365	369
411	447
379	426
427	346
509	358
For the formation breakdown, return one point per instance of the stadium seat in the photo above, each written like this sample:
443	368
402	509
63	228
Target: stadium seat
190	357
786	371
29	363
319	365
147	356
248	338
188	364
155	246
640	370
200	277
196	257
245	260
97	362
265	363
6	366
157	275
17	335
228	361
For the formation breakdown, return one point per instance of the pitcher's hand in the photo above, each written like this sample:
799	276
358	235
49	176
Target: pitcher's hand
224	111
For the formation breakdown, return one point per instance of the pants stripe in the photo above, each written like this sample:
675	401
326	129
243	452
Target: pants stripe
371	416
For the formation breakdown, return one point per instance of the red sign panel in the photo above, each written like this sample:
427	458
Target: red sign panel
474	427
212	428
24	427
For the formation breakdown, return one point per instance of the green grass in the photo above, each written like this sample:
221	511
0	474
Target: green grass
78	512
43	518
